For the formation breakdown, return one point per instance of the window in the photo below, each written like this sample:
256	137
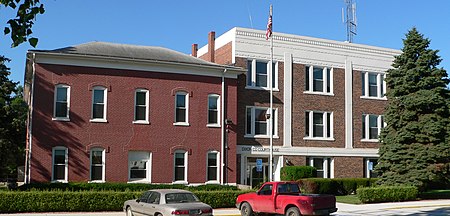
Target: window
318	80
258	73
371	127
266	190
373	85
141	107
98	164
62	102
324	167
369	165
257	124
180	166
318	125
60	164
212	166
181	108
213	109
99	104
139	165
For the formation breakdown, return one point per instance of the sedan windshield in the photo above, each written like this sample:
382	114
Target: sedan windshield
181	198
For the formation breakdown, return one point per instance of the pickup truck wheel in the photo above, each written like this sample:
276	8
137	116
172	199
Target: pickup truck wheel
293	211
246	210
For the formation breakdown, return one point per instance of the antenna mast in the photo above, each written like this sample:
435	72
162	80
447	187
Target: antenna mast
350	19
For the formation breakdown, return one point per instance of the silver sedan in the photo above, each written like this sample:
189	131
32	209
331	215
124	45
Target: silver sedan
165	202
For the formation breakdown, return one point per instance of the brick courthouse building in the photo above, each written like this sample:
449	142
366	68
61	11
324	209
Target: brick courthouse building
103	112
328	100
109	112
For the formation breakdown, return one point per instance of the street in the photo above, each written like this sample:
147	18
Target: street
426	207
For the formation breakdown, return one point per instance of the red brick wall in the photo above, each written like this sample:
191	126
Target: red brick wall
119	135
222	55
348	167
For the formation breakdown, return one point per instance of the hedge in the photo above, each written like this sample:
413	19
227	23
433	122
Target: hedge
336	186
83	186
387	194
294	173
91	201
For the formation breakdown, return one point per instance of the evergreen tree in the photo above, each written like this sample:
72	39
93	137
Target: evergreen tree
415	144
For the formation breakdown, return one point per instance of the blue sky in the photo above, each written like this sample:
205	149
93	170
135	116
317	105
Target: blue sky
179	24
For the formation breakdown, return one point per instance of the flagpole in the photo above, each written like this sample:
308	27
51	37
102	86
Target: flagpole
271	100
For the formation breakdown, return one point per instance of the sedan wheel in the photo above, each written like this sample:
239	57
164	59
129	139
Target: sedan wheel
293	211
246	210
129	212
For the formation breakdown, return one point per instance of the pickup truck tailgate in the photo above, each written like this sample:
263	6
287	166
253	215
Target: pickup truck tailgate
321	201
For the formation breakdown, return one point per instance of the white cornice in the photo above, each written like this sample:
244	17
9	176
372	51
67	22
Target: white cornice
136	64
309	151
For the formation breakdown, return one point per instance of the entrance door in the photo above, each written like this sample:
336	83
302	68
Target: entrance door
254	176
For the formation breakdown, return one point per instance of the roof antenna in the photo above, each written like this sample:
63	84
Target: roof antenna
350	20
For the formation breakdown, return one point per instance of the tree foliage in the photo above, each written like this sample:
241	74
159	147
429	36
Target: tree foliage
21	25
415	144
13	111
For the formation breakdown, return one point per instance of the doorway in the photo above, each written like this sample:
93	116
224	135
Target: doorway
255	177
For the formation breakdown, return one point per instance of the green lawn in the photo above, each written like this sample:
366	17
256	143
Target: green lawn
349	199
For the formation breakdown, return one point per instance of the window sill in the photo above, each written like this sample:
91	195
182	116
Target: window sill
98	120
180	182
141	122
319	93
370	140
181	124
97	181
260	136
261	88
318	138
136	181
60	119
59	181
373	98
213	125
212	182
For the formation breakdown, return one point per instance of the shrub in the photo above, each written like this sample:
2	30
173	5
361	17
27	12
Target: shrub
337	186
387	194
91	201
294	173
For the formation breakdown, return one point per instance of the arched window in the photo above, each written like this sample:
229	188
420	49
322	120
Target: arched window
97	158
60	164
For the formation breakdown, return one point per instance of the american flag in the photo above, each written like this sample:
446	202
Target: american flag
269	25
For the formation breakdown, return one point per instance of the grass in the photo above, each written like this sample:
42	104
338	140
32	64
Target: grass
349	199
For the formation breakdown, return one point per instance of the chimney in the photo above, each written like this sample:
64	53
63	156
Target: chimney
211	45
194	50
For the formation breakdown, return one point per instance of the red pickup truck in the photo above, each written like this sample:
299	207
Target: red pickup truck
285	198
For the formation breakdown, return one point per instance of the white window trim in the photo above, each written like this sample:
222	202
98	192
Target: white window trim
217	166
103	165
325	81
380	80
367	123
67	118
218	111
325	165
253	78
147	101
367	173
66	170
186	123
266	136
184	181
148	171
325	126
105	102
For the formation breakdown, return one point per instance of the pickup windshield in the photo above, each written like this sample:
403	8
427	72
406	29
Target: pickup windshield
288	188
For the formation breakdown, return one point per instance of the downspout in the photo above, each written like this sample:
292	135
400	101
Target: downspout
30	125
223	126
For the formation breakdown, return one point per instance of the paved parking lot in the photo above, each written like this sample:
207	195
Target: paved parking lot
414	208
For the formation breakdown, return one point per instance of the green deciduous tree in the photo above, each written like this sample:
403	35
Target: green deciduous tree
21	25
415	144
13	111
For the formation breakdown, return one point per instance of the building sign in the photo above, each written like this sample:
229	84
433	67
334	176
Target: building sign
254	149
